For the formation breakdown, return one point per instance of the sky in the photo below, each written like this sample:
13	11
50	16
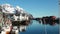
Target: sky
38	8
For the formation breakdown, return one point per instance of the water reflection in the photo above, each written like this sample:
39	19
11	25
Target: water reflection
40	28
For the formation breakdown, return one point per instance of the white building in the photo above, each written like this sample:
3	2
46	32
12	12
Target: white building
15	14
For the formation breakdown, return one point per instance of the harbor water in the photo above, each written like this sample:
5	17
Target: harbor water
39	28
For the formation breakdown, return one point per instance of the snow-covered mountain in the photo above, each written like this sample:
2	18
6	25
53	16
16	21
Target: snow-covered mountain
17	12
7	8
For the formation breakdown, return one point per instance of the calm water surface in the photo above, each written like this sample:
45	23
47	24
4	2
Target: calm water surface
36	28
